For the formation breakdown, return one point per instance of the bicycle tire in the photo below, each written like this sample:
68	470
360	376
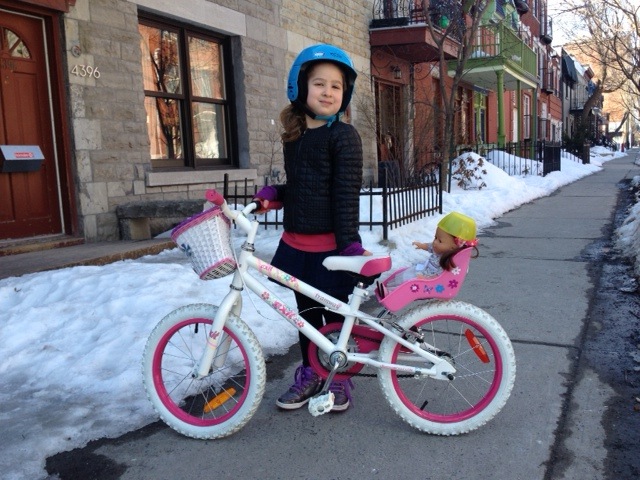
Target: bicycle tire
221	403
475	343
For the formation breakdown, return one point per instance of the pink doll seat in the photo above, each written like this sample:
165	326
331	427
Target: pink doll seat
446	285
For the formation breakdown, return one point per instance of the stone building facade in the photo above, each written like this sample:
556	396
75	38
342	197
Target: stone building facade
103	144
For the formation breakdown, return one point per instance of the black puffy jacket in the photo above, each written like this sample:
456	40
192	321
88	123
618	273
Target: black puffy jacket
324	176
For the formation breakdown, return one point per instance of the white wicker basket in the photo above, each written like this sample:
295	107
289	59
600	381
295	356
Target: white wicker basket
206	240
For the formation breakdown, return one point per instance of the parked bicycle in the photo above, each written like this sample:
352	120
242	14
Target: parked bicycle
444	366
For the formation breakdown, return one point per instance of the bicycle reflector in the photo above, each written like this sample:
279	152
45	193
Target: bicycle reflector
476	347
219	399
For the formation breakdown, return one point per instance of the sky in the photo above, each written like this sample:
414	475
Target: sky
71	340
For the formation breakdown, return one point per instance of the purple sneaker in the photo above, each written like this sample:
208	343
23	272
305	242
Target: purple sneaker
307	384
342	394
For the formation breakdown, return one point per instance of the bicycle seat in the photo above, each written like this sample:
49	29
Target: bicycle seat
365	266
445	285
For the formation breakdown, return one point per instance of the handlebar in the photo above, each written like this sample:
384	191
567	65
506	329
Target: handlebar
239	217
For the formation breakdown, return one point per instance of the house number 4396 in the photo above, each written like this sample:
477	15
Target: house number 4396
85	71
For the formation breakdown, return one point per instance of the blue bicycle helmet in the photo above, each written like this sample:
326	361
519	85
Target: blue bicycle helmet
297	84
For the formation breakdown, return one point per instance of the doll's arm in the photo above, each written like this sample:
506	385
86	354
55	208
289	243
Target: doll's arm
420	245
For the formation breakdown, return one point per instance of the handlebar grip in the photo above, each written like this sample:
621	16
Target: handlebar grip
275	205
214	197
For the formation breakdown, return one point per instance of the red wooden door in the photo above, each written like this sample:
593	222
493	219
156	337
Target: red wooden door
29	201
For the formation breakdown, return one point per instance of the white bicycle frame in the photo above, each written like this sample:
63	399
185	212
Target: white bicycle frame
232	304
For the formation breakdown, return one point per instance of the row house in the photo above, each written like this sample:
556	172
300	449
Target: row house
578	86
113	103
110	103
509	91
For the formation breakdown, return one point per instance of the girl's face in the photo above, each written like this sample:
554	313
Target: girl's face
326	87
443	242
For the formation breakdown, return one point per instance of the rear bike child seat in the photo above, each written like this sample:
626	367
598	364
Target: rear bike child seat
445	285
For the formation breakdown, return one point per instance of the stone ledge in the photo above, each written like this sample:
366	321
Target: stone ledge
199	177
143	220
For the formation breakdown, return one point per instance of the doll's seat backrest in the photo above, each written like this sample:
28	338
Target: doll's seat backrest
445	285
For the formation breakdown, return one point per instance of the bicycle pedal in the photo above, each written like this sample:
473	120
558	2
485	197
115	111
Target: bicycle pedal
321	403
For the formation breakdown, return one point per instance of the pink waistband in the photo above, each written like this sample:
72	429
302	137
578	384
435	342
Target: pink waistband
322	242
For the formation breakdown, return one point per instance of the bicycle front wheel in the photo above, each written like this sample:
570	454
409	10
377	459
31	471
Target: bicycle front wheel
479	349
223	401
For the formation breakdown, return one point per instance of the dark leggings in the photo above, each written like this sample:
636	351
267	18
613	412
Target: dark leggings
314	313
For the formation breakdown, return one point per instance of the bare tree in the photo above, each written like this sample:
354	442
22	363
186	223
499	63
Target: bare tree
610	40
454	26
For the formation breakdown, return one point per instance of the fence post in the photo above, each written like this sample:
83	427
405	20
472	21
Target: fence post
586	153
385	227
440	188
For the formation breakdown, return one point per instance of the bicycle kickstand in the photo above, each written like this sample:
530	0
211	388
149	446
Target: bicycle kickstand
322	402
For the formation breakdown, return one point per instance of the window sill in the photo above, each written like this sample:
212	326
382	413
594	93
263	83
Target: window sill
164	179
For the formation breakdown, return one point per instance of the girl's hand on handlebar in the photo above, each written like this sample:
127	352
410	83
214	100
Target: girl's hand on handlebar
265	205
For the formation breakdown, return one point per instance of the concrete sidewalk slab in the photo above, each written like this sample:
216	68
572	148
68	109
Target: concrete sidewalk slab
84	254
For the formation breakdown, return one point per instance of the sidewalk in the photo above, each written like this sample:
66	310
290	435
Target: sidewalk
84	254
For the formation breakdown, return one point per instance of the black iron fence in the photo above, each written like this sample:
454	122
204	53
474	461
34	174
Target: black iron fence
520	158
401	198
580	152
386	207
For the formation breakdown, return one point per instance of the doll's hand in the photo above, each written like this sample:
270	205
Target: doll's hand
420	245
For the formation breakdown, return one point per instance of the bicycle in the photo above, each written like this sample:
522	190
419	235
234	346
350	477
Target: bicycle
444	366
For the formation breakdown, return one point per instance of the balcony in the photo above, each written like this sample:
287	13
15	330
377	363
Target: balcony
578	101
521	6
400	26
548	84
500	50
546	32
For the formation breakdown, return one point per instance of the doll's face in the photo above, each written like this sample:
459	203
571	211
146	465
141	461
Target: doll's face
443	242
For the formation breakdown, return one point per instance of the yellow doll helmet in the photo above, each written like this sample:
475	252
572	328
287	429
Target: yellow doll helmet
459	226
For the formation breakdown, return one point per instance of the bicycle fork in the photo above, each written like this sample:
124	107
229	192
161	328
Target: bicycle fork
218	342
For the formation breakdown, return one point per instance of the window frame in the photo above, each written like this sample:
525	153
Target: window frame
187	98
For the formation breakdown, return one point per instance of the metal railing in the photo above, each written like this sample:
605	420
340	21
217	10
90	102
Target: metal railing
399	13
387	207
402	199
520	158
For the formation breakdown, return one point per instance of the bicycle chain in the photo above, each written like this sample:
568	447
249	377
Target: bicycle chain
371	375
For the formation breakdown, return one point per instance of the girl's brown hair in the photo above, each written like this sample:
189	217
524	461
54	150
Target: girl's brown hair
293	122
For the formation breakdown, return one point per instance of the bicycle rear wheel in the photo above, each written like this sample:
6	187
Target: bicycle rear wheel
475	344
220	403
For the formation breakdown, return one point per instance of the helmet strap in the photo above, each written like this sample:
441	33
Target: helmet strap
329	118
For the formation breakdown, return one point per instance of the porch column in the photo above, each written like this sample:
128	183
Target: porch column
534	115
520	118
500	87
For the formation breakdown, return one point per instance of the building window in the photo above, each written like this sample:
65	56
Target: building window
187	98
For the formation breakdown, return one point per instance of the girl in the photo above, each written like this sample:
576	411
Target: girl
323	165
